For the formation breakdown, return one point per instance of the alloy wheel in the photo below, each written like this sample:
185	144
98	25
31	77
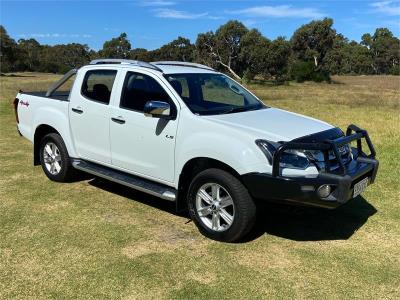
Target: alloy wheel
52	158
215	207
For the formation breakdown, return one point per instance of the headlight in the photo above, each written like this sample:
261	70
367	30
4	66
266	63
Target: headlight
294	159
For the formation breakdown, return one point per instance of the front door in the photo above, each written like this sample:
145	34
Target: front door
89	113
141	144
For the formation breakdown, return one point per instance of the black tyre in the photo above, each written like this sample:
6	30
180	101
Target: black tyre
54	158
220	205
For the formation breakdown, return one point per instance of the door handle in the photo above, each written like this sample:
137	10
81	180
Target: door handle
77	110
118	120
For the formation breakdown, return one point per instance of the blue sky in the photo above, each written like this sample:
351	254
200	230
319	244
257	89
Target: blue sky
152	23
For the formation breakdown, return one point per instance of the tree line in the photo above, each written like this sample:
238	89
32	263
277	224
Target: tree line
314	52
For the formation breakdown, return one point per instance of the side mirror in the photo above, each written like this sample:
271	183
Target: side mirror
157	109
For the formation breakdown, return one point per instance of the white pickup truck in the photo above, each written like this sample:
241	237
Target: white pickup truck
189	134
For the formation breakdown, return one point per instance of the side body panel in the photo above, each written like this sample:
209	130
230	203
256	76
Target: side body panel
143	145
197	137
34	111
90	122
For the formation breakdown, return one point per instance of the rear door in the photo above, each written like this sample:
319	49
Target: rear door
141	144
90	114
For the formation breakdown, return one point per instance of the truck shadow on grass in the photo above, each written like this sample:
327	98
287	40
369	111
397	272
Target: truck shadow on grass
289	222
312	224
134	195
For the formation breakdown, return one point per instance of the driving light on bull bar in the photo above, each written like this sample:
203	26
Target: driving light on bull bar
324	191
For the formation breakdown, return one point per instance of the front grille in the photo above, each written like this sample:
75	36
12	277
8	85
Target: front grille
317	157
334	164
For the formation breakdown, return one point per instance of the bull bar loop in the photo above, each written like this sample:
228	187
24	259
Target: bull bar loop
326	146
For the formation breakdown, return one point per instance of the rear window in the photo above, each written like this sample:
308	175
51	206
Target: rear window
97	85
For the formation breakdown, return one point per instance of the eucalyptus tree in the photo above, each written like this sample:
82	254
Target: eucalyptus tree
222	48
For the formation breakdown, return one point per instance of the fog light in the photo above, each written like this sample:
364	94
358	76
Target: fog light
324	191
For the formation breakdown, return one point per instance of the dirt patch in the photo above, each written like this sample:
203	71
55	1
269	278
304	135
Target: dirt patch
167	241
53	206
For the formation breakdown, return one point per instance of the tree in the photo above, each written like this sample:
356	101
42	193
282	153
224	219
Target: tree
253	53
385	50
8	49
313	41
118	47
205	43
73	55
334	58
141	54
277	57
223	47
348	57
48	60
62	58
314	51
264	57
29	54
179	49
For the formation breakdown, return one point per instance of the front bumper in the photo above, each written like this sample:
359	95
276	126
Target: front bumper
304	190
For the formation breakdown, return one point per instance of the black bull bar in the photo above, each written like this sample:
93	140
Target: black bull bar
327	146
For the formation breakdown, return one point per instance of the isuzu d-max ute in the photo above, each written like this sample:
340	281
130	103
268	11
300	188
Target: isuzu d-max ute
189	134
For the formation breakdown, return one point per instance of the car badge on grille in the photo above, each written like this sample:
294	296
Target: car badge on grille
342	150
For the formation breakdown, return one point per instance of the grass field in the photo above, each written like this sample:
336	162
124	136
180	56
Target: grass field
94	240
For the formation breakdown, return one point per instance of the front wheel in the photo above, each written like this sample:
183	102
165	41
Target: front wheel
221	206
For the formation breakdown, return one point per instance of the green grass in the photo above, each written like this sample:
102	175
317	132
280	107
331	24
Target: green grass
93	239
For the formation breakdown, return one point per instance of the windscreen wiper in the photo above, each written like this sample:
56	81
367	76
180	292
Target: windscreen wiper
240	109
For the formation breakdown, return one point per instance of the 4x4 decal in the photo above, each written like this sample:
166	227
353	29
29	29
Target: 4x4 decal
26	103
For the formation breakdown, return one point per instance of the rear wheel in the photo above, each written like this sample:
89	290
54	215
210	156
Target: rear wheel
54	158
221	206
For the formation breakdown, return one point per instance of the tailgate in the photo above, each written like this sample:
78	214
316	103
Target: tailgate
24	114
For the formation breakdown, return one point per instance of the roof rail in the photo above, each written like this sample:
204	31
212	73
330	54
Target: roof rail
181	63
138	63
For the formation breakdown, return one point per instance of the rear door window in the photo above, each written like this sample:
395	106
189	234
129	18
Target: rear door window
97	85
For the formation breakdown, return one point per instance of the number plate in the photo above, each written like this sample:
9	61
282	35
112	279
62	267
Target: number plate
360	187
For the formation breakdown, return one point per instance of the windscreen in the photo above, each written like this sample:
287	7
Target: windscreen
211	93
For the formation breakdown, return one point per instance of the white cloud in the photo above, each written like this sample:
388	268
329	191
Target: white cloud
249	22
215	17
391	8
112	29
178	14
54	35
157	3
280	11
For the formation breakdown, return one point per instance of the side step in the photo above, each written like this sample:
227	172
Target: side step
135	182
